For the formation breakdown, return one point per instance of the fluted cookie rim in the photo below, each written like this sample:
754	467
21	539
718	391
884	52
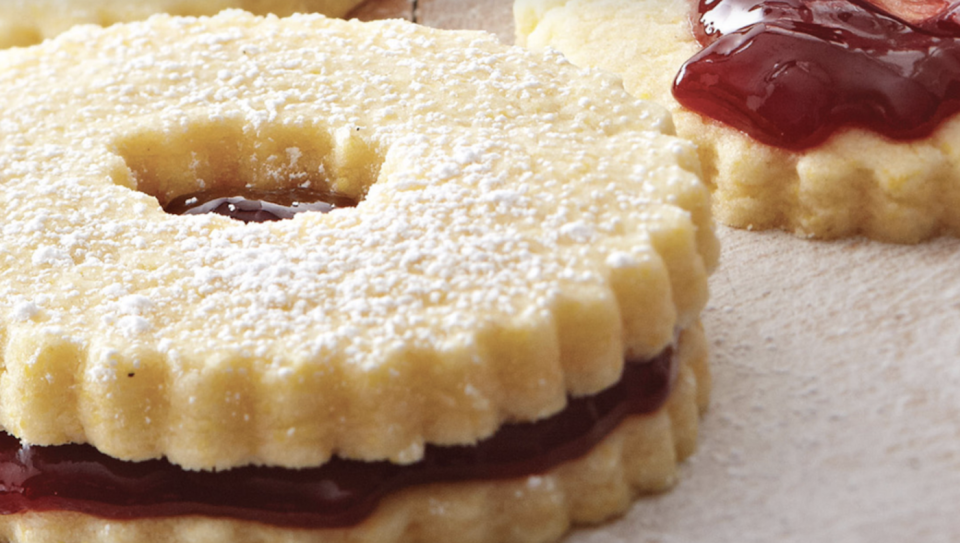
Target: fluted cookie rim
137	398
641	456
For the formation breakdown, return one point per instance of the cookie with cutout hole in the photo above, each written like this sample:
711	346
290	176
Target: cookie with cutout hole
825	138
307	279
27	22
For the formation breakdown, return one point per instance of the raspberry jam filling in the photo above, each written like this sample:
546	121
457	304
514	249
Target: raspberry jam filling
790	73
338	494
250	205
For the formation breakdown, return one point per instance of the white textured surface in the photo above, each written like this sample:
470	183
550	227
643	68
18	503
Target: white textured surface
835	414
836	404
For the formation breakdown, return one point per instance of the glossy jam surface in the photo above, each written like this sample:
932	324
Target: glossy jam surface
257	206
340	493
790	73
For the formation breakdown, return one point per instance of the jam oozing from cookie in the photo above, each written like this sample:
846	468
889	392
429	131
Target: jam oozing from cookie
340	493
251	205
790	73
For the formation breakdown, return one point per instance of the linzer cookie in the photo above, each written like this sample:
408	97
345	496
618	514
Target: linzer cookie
824	118
306	279
26	22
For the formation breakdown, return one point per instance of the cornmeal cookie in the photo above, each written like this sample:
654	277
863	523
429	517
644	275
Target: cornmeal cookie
306	279
794	132
26	22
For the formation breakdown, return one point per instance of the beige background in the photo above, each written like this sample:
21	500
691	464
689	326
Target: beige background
836	404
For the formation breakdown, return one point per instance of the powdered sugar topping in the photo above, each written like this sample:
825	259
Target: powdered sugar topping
496	187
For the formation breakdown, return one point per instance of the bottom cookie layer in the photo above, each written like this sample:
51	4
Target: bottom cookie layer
640	456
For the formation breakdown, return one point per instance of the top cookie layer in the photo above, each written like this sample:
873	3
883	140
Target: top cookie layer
858	182
524	225
27	22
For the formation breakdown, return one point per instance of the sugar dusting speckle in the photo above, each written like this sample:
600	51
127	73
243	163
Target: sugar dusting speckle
452	217
494	181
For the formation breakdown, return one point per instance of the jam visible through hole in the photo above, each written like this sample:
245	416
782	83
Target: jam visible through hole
253	205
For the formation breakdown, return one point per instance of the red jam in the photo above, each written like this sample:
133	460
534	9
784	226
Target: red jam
337	494
790	73
251	205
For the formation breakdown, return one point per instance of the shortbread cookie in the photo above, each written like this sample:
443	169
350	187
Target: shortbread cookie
638	456
502	231
903	187
26	22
